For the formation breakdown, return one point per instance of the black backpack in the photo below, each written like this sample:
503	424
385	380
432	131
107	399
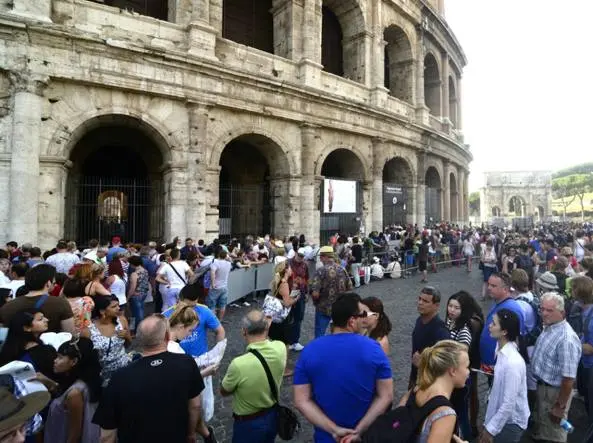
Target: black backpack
402	424
531	336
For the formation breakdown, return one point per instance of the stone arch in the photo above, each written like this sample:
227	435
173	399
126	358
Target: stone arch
398	170
432	84
342	39
453	102
254	174
399	63
354	157
64	139
249	22
453	198
433	191
517	205
540	212
115	184
279	154
398	200
496	212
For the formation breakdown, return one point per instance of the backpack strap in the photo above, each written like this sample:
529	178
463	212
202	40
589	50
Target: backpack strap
178	274
420	414
271	381
41	301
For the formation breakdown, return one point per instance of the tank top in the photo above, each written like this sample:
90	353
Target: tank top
118	288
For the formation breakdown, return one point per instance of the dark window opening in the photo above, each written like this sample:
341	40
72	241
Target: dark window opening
332	54
249	22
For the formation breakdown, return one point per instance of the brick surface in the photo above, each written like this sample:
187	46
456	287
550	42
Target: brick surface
399	298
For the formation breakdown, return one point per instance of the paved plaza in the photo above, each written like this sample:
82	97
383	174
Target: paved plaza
399	297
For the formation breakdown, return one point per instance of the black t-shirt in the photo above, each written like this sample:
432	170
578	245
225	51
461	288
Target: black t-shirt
357	253
426	335
147	401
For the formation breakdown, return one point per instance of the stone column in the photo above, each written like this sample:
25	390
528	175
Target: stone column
310	65
53	175
285	194
176	184
377	184
215	11
211	191
459	125
445	115
201	34
309	206
379	92
288	41
367	206
196	170
421	189
23	189
422	111
411	212
446	193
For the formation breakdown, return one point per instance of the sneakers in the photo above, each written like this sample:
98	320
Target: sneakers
296	347
211	438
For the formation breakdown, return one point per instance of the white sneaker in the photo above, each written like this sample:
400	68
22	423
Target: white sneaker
296	347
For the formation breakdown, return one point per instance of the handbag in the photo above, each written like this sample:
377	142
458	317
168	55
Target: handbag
287	423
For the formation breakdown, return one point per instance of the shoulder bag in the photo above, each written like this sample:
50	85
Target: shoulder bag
288	423
178	274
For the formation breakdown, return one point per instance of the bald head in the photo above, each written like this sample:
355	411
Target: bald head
254	323
152	333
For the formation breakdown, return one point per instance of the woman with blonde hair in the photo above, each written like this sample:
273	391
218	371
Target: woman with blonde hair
94	286
443	367
278	304
181	323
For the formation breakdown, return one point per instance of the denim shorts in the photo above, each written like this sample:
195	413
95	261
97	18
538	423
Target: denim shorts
217	298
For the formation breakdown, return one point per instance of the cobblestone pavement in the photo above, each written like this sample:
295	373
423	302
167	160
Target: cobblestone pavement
399	297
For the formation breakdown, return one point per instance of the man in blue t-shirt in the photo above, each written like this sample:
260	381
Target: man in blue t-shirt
343	381
499	288
196	342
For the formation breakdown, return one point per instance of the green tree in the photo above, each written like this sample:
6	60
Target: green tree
474	203
581	184
562	190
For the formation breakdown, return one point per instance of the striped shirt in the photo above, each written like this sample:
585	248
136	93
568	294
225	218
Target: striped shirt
556	355
461	335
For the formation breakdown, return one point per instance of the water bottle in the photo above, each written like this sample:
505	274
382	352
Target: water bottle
566	425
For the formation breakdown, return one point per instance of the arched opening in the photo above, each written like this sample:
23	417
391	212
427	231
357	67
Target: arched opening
246	201
517	206
433	195
249	22
332	54
399	64
539	213
453	111
115	185
341	194
397	177
453	198
432	85
155	8
496	212
342	39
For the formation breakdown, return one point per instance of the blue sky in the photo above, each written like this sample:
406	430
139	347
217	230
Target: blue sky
528	86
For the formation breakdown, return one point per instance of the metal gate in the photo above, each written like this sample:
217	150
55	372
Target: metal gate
344	223
101	207
394	204
244	210
433	205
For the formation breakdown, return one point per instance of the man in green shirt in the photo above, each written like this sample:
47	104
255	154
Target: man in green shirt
253	405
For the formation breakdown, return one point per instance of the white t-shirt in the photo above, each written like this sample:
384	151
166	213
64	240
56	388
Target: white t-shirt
175	347
118	288
172	277
13	286
222	269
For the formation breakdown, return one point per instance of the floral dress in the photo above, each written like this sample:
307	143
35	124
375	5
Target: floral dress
82	308
112	351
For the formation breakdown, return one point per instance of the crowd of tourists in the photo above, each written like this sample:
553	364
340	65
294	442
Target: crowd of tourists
117	339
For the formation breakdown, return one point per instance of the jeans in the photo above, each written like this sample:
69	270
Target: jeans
298	312
510	433
321	324
259	430
217	298
137	308
355	271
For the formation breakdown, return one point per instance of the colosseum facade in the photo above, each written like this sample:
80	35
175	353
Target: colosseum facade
212	118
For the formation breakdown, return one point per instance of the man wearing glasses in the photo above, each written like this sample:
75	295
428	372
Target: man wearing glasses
429	328
343	381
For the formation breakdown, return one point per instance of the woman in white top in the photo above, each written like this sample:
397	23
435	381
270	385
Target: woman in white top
174	275
508	410
115	282
468	251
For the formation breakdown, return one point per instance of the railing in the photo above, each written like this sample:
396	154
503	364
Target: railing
400	107
435	123
344	87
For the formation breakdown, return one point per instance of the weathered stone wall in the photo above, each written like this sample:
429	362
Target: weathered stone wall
70	66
